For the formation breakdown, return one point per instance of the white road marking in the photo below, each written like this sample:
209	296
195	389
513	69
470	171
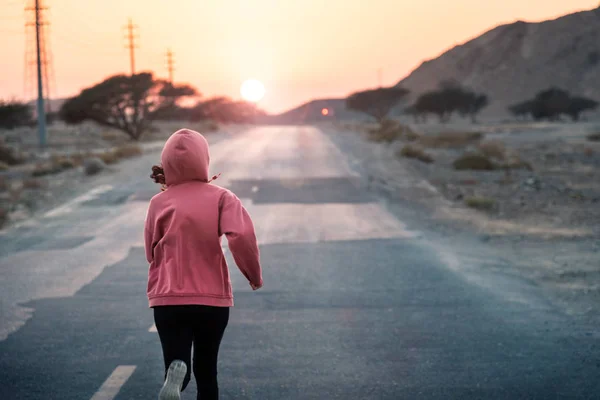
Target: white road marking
110	388
68	207
152	328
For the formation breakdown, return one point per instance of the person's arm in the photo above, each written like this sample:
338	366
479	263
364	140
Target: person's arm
235	223
149	237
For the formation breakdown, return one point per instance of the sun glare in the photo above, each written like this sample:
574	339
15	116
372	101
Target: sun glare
252	90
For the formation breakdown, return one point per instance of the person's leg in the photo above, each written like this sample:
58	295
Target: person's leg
209	327
175	331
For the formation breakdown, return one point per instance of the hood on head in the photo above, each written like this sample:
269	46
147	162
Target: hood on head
185	157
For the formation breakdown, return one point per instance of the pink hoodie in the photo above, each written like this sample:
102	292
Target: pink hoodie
183	231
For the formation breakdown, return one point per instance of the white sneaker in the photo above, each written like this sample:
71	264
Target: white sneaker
171	390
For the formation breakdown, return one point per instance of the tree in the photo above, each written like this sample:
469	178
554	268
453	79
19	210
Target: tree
13	114
551	104
450	98
171	96
224	110
577	105
478	103
127	103
377	102
521	109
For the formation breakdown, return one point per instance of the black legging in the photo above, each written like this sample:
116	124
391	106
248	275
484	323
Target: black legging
180	326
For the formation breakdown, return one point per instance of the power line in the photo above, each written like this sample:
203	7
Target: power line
170	65
42	59
131	44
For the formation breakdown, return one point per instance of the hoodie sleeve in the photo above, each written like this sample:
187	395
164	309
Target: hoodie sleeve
149	237
237	226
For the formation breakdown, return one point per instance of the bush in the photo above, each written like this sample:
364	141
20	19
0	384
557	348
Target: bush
594	137
516	162
108	157
415	152
3	166
13	114
480	203
450	139
33	184
10	155
211	126
111	136
93	166
474	161
63	162
390	131
411	135
493	149
128	151
3	216
46	169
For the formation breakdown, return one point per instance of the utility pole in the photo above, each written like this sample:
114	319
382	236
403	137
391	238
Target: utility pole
170	65
41	71
131	44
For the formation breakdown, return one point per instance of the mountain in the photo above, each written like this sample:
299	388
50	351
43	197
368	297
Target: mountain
313	112
513	62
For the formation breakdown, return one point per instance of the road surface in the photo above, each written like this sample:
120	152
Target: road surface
356	303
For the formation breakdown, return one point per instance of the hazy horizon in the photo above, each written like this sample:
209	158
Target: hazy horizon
300	51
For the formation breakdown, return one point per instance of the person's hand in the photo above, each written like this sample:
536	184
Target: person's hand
255	287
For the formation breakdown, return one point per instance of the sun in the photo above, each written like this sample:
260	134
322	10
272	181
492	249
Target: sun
252	90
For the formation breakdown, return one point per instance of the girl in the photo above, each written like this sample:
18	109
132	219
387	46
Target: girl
188	281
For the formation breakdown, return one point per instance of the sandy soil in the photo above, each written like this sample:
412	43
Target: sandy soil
544	223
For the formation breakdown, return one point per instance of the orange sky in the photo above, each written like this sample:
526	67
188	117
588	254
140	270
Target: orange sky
299	49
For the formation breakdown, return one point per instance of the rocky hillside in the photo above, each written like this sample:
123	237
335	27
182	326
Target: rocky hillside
513	62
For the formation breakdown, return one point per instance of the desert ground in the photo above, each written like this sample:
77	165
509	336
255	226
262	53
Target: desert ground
535	204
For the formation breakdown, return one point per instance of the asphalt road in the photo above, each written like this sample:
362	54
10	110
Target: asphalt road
356	304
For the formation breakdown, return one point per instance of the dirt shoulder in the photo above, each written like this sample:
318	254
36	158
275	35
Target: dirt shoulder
539	220
45	180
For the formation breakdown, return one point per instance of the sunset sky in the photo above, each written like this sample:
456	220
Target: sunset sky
299	49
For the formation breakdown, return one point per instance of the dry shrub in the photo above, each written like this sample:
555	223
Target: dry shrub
474	161
3	216
388	131
33	184
211	126
78	158
108	157
594	137
3	166
516	162
480	203
111	136
46	169
493	149
410	151
411	135
450	139
10	155
63	162
128	151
